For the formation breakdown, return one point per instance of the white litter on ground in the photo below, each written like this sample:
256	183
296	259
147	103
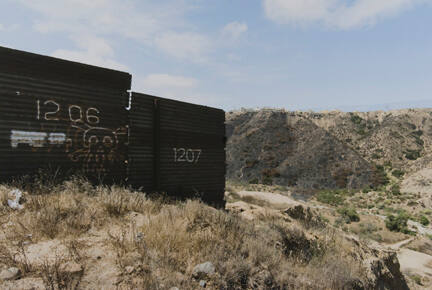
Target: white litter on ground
14	204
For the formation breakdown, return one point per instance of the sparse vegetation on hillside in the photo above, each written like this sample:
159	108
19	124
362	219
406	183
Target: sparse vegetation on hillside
328	150
134	241
398	223
332	197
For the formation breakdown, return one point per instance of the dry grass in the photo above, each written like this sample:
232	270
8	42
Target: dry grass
161	252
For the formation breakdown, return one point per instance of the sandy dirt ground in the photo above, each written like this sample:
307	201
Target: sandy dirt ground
412	262
272	198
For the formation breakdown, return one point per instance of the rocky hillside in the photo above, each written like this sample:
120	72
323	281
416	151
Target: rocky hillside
73	235
327	149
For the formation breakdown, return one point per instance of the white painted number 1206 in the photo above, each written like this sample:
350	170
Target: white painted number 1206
187	155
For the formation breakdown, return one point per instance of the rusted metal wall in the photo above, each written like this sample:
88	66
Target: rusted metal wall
142	143
186	147
61	114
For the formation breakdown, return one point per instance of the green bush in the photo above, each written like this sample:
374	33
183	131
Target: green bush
398	173
424	220
267	180
349	214
332	197
412	154
356	119
254	181
417	135
395	189
398	223
376	156
366	190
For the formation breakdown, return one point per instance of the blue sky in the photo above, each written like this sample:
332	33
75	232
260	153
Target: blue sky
293	54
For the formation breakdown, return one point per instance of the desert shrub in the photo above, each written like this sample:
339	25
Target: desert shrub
395	189
251	163
306	216
366	190
332	197
254	181
356	119
55	277
398	173
369	231
375	156
379	176
349	214
398	223
417	135
273	172
267	180
417	279
424	220
412	154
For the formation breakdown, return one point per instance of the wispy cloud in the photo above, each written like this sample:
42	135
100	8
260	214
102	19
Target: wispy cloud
185	46
159	25
177	87
234	30
158	81
340	14
91	50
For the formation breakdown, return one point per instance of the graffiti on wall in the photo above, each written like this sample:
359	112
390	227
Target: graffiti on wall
84	140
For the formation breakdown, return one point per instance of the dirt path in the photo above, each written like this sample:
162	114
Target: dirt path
415	262
397	246
272	198
410	261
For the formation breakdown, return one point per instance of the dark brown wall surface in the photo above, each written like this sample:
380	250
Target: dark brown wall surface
188	145
61	114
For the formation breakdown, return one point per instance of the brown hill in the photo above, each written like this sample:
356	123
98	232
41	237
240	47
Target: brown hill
327	149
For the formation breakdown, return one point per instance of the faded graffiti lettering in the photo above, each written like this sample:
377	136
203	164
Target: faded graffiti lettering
33	139
84	142
57	138
36	139
95	147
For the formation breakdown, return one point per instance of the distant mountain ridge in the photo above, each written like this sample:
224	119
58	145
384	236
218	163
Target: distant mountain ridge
327	149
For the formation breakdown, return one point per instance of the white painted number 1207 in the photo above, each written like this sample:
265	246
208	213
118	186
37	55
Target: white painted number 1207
187	155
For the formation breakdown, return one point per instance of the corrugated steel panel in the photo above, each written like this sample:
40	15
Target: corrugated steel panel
61	114
141	143
188	147
32	65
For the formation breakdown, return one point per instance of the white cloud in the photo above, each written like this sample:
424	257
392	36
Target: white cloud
150	23
108	17
172	86
157	81
2	27
92	50
341	14
234	30
187	46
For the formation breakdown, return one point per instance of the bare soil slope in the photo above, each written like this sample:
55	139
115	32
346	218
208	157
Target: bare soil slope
326	150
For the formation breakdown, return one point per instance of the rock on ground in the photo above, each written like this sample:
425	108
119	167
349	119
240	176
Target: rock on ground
203	270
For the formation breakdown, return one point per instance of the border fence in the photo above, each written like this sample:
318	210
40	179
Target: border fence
60	114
